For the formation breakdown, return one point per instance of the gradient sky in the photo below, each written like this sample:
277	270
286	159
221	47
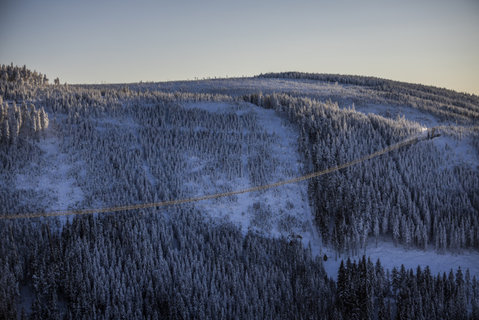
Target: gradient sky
433	42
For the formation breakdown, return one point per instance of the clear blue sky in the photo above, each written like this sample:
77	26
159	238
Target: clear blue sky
432	42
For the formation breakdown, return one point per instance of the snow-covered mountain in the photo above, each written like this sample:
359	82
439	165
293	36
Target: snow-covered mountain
65	147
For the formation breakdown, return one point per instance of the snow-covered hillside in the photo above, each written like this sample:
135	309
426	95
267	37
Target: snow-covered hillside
269	254
273	212
395	112
280	212
283	211
52	175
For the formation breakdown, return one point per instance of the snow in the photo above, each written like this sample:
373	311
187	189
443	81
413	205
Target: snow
457	151
52	176
392	256
282	211
215	107
393	112
238	86
278	201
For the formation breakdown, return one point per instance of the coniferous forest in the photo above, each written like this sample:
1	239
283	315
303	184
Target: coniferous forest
68	147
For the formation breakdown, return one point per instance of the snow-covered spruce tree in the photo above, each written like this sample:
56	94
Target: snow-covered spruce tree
21	122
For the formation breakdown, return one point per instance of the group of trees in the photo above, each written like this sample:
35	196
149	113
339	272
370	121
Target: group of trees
22	75
145	151
180	265
446	104
175	264
20	121
367	291
411	194
138	145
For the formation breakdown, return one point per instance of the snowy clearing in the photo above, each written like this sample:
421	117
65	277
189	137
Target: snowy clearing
457	151
394	112
392	256
52	175
282	211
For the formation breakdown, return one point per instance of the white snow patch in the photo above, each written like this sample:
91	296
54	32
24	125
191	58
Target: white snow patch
54	177
281	211
457	151
392	256
393	112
